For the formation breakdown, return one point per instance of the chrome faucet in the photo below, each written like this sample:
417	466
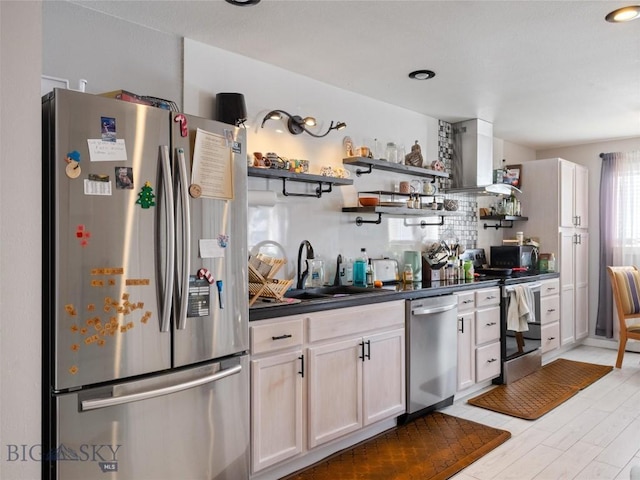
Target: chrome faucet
302	276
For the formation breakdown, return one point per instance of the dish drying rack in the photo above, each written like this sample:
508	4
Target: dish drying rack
262	269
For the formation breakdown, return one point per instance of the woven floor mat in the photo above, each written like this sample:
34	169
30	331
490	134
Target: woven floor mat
538	393
433	447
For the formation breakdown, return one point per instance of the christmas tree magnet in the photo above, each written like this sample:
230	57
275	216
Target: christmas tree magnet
146	196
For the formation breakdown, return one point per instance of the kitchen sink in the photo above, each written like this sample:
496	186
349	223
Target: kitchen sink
330	292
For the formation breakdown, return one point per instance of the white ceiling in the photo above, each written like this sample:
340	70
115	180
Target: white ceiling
545	73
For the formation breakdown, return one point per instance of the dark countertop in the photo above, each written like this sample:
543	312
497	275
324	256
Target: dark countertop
390	293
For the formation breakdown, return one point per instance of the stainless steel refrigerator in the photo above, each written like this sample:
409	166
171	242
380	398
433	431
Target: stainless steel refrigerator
145	302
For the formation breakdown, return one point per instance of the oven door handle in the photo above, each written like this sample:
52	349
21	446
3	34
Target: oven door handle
531	285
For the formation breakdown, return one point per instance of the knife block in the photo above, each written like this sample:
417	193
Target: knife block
430	275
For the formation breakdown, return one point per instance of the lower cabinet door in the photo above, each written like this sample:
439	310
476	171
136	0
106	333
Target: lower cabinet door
335	390
276	408
384	376
466	354
487	362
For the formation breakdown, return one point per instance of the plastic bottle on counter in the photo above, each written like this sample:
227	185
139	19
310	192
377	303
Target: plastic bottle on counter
407	274
360	269
349	272
468	270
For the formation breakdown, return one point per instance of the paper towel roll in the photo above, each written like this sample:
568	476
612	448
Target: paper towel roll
262	198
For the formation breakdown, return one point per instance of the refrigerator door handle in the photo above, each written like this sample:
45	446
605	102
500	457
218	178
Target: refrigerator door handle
186	240
96	403
167	182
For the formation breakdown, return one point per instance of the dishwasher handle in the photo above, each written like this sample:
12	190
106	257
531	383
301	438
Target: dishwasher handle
432	310
96	403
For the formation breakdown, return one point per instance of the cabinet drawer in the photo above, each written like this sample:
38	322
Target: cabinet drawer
487	325
550	336
466	301
276	336
355	320
549	309
487	361
487	296
550	287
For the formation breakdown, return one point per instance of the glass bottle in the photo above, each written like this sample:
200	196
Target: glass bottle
392	152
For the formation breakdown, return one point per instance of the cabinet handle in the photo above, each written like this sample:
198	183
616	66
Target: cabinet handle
551	310
282	337
550	289
491	360
461	320
490	297
301	372
551	338
369	349
467	301
491	324
361	357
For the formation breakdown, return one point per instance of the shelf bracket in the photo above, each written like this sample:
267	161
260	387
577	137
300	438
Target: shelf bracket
360	221
364	172
318	194
424	224
499	225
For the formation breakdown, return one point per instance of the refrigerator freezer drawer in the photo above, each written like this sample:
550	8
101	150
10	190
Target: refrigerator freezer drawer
189	424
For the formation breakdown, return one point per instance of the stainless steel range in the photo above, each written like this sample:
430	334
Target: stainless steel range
520	346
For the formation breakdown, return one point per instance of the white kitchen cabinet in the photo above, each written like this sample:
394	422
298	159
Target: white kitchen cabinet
466	354
556	201
356	377
478	336
487	333
550	315
276	391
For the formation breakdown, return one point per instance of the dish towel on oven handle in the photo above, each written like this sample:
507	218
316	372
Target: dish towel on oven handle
521	309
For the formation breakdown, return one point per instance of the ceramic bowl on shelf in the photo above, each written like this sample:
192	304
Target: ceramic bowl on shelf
369	201
450	205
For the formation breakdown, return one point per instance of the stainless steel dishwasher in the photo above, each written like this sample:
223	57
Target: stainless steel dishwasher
432	358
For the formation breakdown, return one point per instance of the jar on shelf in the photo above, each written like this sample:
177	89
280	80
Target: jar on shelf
392	152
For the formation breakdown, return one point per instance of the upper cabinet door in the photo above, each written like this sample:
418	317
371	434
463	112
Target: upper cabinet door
567	190
581	200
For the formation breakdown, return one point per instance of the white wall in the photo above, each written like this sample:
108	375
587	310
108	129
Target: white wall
209	70
589	156
20	245
109	53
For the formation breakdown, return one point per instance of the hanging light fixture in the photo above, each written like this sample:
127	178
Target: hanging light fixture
296	124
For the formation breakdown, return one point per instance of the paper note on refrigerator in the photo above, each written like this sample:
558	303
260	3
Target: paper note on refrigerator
212	165
101	151
209	248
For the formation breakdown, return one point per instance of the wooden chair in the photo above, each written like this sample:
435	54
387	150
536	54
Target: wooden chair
625	282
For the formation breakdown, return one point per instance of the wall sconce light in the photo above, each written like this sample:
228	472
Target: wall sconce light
296	124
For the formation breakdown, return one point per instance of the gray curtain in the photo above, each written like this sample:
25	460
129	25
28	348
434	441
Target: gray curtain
608	191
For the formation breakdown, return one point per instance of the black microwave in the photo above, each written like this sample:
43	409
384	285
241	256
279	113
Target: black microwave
511	256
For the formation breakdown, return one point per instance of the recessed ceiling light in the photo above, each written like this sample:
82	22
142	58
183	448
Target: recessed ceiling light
243	3
624	14
422	74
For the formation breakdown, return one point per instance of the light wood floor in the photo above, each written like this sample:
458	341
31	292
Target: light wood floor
594	435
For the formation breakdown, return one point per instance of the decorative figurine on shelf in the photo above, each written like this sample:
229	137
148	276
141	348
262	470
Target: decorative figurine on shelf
348	147
437	165
414	157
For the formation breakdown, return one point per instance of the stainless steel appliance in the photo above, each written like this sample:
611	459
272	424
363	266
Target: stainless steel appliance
432	360
519	256
520	350
145	311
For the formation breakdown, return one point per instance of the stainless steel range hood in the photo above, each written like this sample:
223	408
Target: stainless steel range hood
472	160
